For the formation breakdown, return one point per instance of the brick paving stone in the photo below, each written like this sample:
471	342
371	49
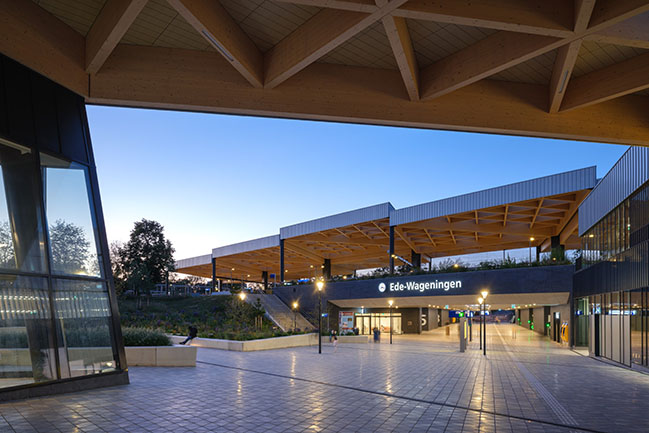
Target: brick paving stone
421	383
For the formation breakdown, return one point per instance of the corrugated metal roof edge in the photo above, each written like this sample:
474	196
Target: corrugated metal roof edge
245	246
289	231
397	217
205	259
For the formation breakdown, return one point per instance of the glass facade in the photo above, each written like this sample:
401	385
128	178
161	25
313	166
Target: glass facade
615	253
55	314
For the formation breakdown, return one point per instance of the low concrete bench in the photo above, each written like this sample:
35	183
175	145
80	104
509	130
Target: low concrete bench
252	345
161	356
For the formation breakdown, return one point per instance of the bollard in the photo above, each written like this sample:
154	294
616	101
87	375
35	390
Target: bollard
463	333
448	330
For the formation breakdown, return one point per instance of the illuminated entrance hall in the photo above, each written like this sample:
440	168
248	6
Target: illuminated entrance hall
419	383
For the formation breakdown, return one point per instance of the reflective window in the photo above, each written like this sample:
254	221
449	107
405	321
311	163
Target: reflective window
21	228
72	232
27	352
83	317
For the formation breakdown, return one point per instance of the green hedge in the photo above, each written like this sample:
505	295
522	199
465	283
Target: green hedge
144	337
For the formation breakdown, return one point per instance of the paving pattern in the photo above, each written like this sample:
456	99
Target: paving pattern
419	384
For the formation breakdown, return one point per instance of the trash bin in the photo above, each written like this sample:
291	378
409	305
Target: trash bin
377	335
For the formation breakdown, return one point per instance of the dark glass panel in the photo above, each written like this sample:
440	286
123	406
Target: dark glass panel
83	317
27	351
21	228
72	229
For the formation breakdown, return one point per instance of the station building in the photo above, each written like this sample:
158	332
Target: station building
601	300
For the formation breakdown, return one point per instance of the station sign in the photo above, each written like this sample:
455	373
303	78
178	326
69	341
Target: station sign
421	287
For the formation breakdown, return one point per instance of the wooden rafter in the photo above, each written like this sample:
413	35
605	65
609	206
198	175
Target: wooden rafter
505	216
405	238
536	213
619	79
450	230
303	251
379	227
190	80
430	238
319	35
108	29
361	231
404	53
567	56
213	22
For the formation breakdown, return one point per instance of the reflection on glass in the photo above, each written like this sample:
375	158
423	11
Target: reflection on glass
83	318
72	231
21	232
26	340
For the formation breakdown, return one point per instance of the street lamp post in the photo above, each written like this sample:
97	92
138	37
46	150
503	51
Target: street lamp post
480	301
531	240
390	302
484	294
320	286
294	315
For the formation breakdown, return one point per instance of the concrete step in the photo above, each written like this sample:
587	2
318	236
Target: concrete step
279	312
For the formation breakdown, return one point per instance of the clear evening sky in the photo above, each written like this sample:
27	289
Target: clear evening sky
213	180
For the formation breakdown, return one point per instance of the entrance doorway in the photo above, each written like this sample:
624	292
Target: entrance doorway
367	321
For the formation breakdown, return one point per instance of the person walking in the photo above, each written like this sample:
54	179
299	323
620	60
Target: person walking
192	334
335	337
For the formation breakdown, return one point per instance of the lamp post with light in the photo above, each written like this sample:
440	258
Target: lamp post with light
390	302
484	294
294	315
480	301
531	240
320	285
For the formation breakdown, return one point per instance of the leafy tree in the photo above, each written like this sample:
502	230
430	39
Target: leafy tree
147	257
7	257
116	250
70	248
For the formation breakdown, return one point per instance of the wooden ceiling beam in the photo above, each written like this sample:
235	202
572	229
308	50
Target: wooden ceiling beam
569	229
37	39
216	26
487	57
541	17
633	32
564	63
617	80
177	79
367	6
536	213
404	237
303	251
323	32
404	53
503	49
471	227
108	29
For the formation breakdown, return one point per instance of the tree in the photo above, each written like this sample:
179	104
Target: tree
7	257
147	257
70	248
116	250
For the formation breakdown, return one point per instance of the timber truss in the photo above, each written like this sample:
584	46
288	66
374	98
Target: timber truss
549	68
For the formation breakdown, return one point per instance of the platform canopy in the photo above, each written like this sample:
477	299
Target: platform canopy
545	68
523	214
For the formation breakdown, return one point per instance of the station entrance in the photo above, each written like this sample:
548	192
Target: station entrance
366	322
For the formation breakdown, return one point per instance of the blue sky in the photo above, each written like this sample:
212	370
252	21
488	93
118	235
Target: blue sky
212	180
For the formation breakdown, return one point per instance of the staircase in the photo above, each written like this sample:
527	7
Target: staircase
279	312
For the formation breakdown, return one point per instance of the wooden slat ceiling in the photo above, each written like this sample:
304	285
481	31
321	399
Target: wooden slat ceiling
593	52
365	245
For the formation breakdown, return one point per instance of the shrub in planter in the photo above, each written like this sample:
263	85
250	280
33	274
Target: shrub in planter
144	337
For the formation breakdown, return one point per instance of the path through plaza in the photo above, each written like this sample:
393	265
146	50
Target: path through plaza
418	384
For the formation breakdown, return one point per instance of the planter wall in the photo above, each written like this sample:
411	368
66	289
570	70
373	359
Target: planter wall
161	356
353	338
253	345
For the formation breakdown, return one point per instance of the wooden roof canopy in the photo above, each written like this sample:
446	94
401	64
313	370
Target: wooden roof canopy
518	215
547	68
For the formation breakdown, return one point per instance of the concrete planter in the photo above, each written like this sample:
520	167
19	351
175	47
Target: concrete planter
161	356
353	338
252	345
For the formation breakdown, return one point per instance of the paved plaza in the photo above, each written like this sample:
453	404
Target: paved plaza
419	384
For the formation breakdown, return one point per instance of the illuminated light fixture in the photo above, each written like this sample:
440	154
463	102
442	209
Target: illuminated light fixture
248	276
295	305
591	235
429	305
484	294
480	301
397	307
232	269
563	81
456	265
311	266
242	296
344	277
319	284
390	302
532	239
218	46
